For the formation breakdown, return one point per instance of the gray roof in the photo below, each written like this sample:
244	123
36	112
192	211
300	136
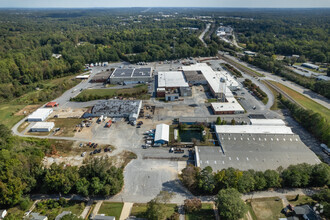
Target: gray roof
257	151
60	216
101	217
36	216
144	72
117	108
122	73
306	210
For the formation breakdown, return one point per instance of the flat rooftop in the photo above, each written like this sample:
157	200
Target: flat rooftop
256	151
117	107
171	79
129	73
231	105
45	125
252	129
194	75
267	122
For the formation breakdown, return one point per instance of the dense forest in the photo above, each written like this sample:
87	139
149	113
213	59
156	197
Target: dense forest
21	172
28	39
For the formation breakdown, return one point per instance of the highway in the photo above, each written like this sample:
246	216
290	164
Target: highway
269	76
203	34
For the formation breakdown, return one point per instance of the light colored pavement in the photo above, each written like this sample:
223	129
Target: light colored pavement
278	193
86	210
97	208
201	37
310	94
126	211
216	211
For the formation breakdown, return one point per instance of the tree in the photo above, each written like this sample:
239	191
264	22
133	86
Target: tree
272	178
205	180
156	208
218	122
233	122
320	175
82	186
189	177
192	205
230	204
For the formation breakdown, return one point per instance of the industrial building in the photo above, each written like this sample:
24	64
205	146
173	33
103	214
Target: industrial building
129	76
162	134
102	77
258	147
195	77
40	114
221	85
115	108
272	122
172	85
42	127
310	66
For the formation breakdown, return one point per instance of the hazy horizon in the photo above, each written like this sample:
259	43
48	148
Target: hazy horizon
169	3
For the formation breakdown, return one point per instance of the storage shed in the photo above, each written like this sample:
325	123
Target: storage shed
42	127
162	133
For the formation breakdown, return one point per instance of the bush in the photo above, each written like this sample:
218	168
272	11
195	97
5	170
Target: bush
192	205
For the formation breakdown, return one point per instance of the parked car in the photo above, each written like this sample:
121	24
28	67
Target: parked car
83	154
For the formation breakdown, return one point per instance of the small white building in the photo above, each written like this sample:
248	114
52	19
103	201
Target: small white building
3	213
42	127
40	114
82	77
230	107
162	134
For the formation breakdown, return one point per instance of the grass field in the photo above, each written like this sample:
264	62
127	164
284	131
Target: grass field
7	114
111	209
139	210
302	200
67	126
267	208
139	91
304	101
205	213
16	212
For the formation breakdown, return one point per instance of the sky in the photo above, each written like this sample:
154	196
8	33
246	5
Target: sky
164	3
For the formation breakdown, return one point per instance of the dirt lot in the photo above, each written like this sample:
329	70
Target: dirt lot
267	208
175	111
67	126
69	113
28	109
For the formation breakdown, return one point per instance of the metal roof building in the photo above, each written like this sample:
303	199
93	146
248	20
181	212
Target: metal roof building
270	122
117	109
42	127
252	129
173	79
230	107
40	114
134	75
162	133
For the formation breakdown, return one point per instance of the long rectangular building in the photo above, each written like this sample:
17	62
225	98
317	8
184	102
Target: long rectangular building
40	114
42	127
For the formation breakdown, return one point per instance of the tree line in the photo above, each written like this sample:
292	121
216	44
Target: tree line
21	172
311	121
206	182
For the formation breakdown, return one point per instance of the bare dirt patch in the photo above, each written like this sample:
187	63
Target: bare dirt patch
69	113
28	110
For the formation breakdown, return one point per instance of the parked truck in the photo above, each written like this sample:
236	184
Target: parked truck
100	119
108	124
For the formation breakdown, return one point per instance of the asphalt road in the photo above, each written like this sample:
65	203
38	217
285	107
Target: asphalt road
203	34
268	76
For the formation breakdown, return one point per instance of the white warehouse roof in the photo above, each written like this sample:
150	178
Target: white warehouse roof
231	105
162	132
43	125
40	114
252	129
171	79
267	122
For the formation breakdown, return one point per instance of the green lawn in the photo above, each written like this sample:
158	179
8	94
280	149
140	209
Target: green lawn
75	207
302	200
275	94
267	208
139	91
111	209
139	210
7	114
205	213
304	101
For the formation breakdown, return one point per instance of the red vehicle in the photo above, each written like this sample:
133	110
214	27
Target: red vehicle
108	124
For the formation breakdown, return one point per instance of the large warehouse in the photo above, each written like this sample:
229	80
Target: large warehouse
258	147
42	127
117	109
127	76
40	114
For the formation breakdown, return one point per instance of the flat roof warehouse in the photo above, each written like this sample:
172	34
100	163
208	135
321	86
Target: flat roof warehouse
129	73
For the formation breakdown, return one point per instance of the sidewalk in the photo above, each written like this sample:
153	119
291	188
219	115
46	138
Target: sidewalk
126	211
